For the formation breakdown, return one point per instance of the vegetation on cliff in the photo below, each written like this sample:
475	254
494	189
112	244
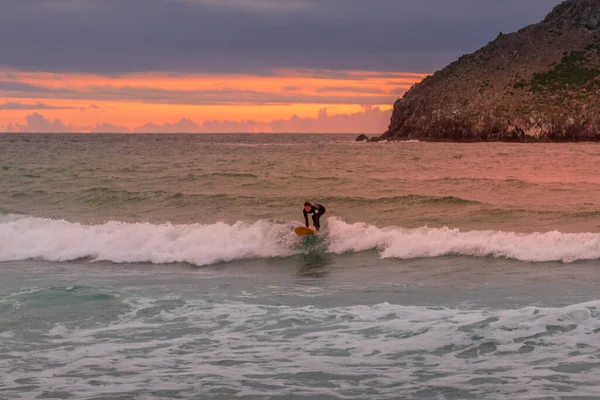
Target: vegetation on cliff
541	83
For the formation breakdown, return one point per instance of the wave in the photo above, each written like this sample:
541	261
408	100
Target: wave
30	193
394	242
23	238
120	242
106	197
407	199
476	353
511	182
99	196
230	175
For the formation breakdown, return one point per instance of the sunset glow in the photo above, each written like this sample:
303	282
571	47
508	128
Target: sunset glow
230	65
85	101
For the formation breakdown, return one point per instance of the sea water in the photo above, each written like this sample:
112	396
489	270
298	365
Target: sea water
165	266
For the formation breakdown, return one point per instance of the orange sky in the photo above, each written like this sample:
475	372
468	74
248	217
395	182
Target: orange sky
84	101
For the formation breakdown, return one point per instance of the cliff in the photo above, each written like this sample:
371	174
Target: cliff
541	83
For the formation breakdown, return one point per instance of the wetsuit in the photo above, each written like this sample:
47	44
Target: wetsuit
316	210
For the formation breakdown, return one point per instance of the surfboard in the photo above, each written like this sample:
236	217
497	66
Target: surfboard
301	231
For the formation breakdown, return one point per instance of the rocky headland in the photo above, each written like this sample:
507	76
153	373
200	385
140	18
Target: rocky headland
541	83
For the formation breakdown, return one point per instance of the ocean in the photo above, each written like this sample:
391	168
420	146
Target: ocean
166	267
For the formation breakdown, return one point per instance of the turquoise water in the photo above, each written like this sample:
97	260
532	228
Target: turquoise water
149	267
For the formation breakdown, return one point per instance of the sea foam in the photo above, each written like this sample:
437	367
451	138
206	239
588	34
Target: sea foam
395	242
58	240
120	242
203	346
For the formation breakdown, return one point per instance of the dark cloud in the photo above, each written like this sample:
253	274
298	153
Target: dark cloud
8	76
19	87
189	97
252	36
37	106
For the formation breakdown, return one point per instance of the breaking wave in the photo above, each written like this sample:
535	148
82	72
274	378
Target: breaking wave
23	237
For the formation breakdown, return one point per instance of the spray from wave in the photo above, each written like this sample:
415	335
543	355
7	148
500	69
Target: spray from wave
119	242
394	242
24	238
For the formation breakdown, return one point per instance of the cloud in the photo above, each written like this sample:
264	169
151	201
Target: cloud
20	87
397	91
369	120
68	6
115	37
291	89
38	124
108	128
184	125
225	126
346	89
190	97
8	76
8	129
259	6
37	106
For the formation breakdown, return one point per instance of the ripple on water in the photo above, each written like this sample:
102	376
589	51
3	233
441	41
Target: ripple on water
185	348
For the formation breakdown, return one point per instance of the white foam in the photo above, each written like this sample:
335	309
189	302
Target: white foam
433	242
58	330
205	344
57	240
119	242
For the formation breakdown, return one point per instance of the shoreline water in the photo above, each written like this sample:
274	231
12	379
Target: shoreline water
299	327
153	267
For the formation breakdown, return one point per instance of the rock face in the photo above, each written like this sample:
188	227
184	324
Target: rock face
362	138
541	83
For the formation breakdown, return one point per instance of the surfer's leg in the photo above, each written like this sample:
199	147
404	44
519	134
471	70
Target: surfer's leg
315	219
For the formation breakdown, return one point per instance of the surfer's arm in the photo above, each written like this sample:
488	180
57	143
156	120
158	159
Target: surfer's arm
305	217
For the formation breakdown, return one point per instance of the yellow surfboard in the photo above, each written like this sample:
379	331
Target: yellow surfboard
301	231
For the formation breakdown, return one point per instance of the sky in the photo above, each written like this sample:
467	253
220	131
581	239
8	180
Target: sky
210	66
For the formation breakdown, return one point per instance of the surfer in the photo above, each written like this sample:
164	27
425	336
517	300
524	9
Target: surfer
316	210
